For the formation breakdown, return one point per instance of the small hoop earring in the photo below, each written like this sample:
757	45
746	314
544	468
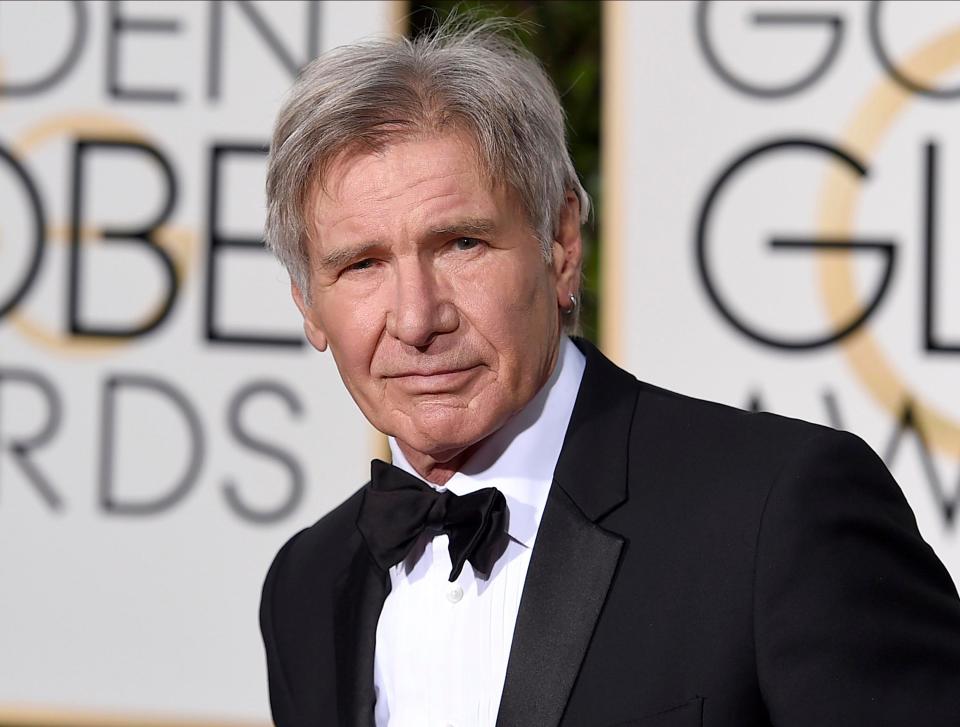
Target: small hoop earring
573	305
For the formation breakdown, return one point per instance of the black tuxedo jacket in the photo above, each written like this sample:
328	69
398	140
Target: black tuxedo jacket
695	565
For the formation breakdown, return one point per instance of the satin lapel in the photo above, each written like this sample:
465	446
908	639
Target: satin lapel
574	559
571	569
359	599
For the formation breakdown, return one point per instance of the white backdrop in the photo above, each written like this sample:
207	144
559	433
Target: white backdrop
834	123
148	475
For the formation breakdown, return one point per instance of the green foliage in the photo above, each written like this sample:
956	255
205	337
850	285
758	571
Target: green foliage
566	39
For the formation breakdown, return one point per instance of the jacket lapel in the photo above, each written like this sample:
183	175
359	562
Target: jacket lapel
574	560
358	600
570	571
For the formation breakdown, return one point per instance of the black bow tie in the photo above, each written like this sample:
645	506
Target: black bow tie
397	507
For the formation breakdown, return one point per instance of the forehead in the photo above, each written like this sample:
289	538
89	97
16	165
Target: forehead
410	182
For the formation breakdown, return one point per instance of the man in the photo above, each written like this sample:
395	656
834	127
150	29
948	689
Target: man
556	542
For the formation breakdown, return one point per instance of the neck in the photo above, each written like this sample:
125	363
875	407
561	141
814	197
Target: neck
432	469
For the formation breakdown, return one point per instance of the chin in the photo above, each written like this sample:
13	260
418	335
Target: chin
444	434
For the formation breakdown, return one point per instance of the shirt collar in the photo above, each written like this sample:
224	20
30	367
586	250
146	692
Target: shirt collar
519	458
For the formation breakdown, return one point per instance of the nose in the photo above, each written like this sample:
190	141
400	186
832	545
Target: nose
420	312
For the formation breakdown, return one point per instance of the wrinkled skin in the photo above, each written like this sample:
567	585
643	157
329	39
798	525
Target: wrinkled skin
431	291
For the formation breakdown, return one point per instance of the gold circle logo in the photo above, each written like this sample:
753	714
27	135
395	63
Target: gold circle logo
838	205
179	243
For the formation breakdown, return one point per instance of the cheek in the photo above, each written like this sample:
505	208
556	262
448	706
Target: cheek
529	295
353	325
509	303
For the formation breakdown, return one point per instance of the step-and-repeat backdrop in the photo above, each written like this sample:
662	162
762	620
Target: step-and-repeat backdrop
162	427
789	237
779	235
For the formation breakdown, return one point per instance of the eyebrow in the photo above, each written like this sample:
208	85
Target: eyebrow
469	226
336	259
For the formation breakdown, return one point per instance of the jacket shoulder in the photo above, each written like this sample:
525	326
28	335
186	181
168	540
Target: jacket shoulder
296	613
323	547
713	458
727	431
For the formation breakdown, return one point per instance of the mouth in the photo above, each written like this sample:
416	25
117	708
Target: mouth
434	381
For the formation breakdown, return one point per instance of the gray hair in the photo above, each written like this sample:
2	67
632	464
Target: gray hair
468	75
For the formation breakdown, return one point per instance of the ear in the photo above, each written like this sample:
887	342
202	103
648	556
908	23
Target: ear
311	328
568	251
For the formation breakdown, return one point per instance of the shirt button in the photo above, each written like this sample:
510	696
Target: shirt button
455	594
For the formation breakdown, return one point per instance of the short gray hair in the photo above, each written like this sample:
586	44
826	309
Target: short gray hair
468	75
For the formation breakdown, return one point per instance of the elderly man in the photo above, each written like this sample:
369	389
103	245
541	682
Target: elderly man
555	542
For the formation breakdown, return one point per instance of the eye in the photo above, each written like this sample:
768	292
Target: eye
364	264
466	243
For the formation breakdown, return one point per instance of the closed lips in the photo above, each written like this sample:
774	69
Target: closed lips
438	372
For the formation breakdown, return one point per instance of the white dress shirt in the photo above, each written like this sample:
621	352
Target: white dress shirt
442	648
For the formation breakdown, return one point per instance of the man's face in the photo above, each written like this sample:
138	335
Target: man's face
433	294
